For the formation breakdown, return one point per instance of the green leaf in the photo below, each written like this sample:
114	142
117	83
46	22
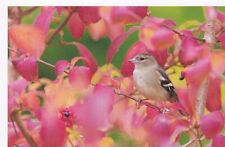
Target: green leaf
189	24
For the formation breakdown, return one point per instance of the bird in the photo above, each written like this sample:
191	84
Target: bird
151	80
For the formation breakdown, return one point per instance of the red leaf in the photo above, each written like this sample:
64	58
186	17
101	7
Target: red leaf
27	67
28	39
61	66
212	124
93	114
218	141
89	14
76	26
80	77
127	67
43	20
213	101
52	127
84	52
113	48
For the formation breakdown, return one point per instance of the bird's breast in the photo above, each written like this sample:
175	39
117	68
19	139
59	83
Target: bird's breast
147	84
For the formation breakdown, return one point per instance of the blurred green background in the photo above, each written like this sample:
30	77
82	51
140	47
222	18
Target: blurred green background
56	51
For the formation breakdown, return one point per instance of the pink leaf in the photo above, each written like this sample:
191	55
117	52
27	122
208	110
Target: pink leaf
160	132
61	66
27	67
59	9
43	20
127	67
163	39
113	48
218	141
128	14
98	30
155	35
15	88
192	74
113	29
189	49
52	127
28	39
187	101
218	62
160	55
222	39
212	124
84	52
213	101
76	26
94	111
89	14
80	77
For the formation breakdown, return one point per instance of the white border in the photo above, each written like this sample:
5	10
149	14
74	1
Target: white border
118	2
3	77
3	38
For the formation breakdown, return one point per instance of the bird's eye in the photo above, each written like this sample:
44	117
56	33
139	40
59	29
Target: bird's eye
142	58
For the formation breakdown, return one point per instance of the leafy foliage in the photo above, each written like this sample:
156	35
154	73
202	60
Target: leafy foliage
76	99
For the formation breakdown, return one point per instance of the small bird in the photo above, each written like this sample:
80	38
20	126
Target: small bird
151	80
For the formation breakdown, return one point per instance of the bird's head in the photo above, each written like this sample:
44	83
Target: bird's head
144	60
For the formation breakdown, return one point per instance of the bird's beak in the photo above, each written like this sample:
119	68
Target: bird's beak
133	60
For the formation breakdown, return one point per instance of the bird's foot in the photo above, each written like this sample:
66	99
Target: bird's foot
164	110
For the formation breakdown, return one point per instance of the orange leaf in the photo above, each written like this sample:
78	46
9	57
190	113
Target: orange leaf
28	39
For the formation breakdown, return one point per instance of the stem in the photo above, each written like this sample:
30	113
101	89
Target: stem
59	28
28	137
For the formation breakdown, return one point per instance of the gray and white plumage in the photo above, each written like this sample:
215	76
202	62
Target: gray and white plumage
151	80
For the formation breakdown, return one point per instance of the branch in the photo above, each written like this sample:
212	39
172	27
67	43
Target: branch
59	28
28	137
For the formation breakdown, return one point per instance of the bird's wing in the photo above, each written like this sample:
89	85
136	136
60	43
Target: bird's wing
167	85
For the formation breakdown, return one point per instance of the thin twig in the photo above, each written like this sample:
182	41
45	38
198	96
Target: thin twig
46	63
27	136
59	28
38	60
181	34
189	143
139	101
